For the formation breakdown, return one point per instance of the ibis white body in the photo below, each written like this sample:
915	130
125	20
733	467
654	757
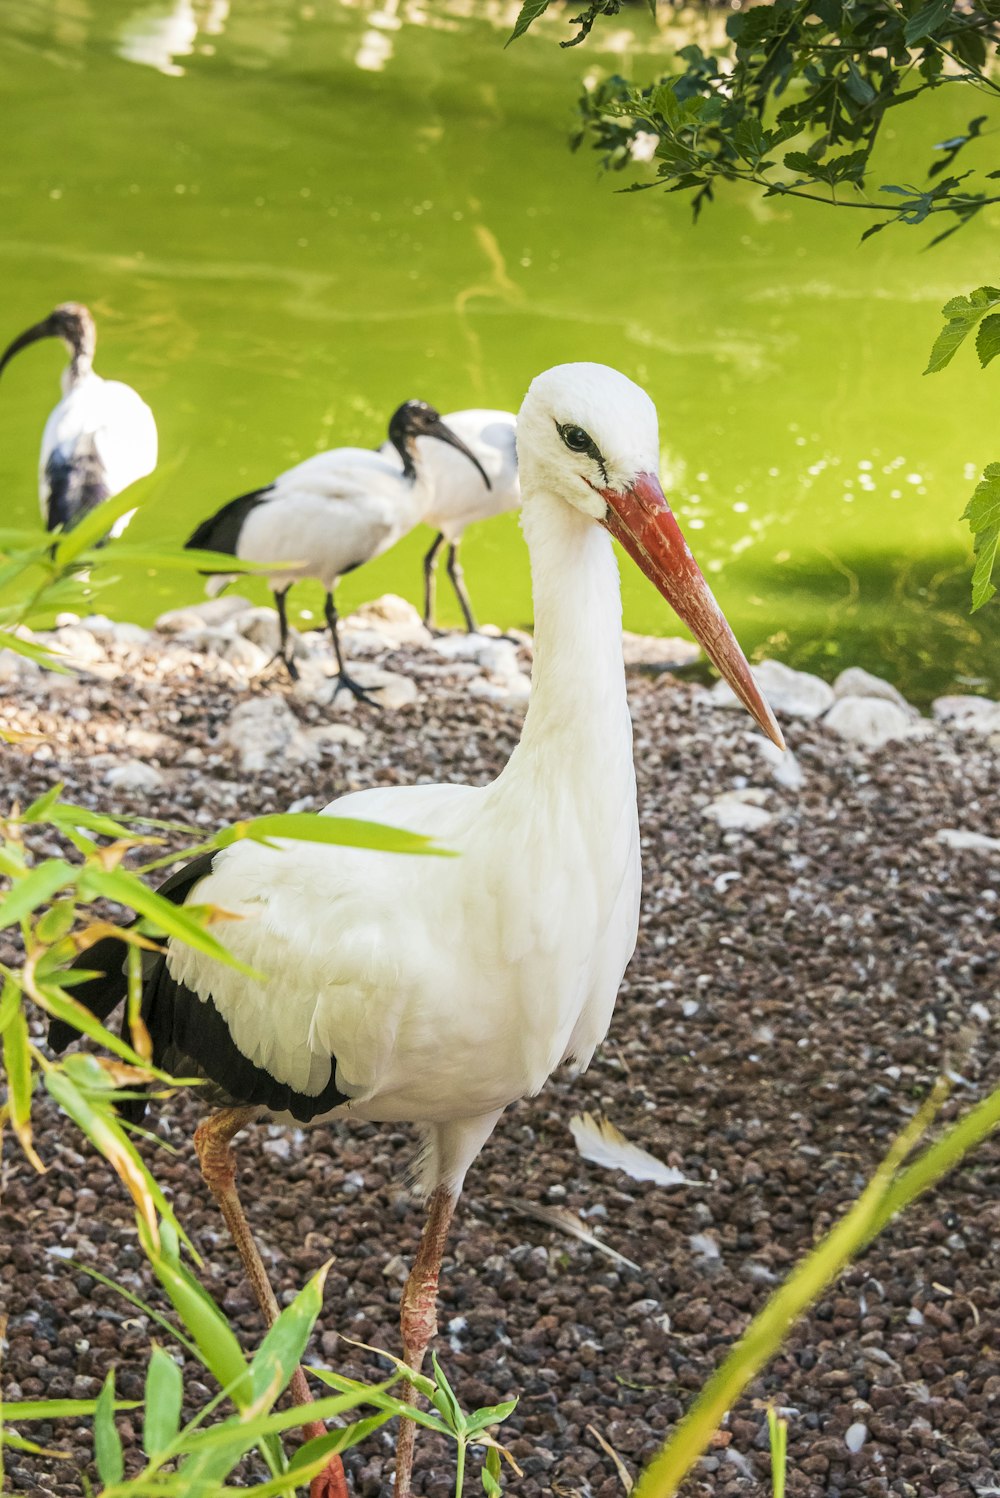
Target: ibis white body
456	495
102	430
329	514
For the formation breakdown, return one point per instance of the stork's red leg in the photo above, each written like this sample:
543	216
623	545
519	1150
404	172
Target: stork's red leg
212	1141
418	1318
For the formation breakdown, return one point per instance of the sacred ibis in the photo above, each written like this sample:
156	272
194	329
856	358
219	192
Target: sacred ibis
440	990
331	513
458	495
101	436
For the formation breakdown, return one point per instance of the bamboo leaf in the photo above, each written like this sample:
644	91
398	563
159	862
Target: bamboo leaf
107	1442
35	889
444	1399
336	1441
20	1081
164	1395
278	1355
314	827
174	920
57	1409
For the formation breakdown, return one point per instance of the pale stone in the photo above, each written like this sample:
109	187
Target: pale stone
333	735
973	714
656	652
134	776
15	667
856	682
394	620
855	1436
262	730
793	694
958	837
785	768
261	626
76	645
213	611
739	811
869	722
512	691
245	656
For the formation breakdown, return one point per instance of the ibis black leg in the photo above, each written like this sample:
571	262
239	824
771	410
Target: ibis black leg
458	583
429	560
343	680
213	1144
283	650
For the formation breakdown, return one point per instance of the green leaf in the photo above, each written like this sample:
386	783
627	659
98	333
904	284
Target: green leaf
107	1442
925	21
963	313
988	339
17	1061
175	920
10	1002
93	527
983	514
164	1394
278	1355
37	888
56	1409
56	923
444	1399
490	1414
337	1440
40	654
43	804
347	832
201	1317
529	12
491	1473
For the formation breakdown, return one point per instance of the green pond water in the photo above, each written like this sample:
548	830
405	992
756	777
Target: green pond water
289	217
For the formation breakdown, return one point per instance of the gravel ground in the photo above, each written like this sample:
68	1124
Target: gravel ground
795	991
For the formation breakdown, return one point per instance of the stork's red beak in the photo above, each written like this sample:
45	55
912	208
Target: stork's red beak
640	518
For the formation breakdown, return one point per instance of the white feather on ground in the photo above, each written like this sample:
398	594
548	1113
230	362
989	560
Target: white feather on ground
598	1140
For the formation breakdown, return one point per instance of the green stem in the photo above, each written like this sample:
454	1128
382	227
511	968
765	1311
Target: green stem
459	1466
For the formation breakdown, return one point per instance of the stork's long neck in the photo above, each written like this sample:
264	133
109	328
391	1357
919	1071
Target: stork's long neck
577	734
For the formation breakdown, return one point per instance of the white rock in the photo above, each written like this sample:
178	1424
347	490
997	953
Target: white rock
657	652
213	611
77	645
973	714
15	667
247	657
739	811
856	682
855	1436
388	688
958	837
868	721
261	626
390	617
512	691
262	730
135	777
785	768
331	735
794	694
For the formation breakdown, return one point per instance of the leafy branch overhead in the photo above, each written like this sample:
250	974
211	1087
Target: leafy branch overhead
979	310
821	73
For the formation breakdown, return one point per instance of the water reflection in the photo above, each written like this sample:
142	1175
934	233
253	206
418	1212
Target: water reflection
157	35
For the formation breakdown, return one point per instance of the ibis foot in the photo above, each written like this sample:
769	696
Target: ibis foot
345	683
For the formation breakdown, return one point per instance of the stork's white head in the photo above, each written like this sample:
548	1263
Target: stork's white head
587	435
584	428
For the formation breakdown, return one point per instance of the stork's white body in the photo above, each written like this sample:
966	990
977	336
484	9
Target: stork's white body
332	512
102	425
448	988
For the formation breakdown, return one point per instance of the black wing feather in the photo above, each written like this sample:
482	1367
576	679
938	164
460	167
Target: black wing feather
189	1035
77	483
221	531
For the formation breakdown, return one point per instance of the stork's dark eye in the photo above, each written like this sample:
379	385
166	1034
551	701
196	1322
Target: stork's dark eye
577	440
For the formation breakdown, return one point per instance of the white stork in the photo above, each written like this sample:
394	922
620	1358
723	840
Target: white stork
439	991
101	436
332	513
458	495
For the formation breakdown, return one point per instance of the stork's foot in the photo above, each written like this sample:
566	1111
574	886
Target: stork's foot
345	683
331	1482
